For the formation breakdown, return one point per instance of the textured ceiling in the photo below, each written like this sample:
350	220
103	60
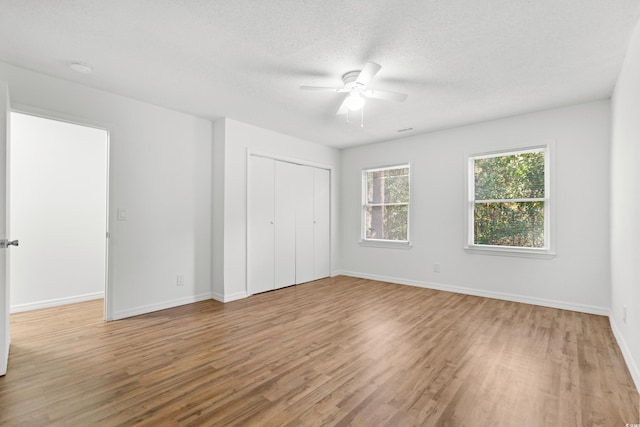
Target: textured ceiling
460	61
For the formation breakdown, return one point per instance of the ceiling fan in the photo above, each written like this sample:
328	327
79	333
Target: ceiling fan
356	85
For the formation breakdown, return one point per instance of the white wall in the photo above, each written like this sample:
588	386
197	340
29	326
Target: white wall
58	205
625	208
160	168
239	138
577	278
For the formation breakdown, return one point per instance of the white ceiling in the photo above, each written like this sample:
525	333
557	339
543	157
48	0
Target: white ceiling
460	61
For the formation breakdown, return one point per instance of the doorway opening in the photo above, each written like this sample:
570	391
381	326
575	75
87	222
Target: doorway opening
58	191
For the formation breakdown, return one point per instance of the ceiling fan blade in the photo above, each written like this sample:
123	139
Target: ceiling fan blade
323	89
370	69
343	107
387	96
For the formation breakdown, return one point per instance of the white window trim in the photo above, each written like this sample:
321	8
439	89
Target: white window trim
547	252
382	243
395	244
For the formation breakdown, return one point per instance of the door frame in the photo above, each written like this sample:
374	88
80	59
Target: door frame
5	329
107	127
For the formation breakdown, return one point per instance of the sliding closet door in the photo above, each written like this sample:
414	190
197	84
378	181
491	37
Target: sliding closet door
304	224
321	223
286	188
260	257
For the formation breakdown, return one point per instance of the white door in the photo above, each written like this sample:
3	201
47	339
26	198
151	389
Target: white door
288	224
4	253
321	223
285	224
260	261
304	224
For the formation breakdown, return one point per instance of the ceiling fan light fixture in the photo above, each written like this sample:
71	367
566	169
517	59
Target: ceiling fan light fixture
354	101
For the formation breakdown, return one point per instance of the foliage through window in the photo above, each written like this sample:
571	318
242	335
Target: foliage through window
386	204
509	199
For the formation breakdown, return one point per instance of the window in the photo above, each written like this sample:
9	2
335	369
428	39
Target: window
385	216
509	205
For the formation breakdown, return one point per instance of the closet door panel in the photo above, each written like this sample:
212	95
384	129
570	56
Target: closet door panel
285	224
304	224
260	233
322	223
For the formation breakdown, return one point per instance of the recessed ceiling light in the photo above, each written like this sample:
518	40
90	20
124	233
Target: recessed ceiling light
81	68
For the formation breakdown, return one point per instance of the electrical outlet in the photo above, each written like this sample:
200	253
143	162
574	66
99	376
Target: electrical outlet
180	280
436	268
624	314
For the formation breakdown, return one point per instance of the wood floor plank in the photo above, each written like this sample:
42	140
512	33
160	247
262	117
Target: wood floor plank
339	351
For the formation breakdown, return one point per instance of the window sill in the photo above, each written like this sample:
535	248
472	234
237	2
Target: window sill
512	252
389	244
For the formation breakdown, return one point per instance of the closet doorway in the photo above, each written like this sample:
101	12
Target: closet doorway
288	224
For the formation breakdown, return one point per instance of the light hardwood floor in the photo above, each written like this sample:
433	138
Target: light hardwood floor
339	351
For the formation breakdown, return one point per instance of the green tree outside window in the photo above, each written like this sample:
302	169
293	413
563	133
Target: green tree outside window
386	203
509	200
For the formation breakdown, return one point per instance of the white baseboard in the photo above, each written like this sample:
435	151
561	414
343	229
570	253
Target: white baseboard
228	298
217	296
582	308
18	308
626	353
160	306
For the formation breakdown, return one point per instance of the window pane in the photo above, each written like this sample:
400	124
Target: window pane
509	224
387	222
388	186
517	176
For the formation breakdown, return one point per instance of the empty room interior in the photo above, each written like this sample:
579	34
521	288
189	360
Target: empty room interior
314	213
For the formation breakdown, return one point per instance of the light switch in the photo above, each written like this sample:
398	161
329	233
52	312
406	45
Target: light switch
122	214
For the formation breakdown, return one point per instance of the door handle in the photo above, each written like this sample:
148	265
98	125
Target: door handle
4	243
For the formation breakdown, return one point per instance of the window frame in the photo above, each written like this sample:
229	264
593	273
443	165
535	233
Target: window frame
545	252
364	241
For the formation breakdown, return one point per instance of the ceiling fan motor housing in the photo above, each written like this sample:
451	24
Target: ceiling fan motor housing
349	79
